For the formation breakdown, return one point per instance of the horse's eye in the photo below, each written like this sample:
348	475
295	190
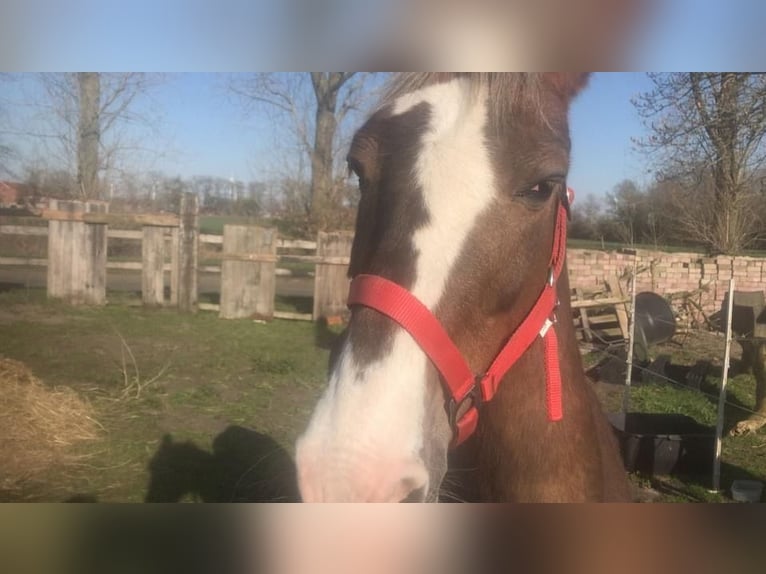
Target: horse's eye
543	190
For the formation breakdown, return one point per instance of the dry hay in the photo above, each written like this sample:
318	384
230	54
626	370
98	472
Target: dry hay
38	427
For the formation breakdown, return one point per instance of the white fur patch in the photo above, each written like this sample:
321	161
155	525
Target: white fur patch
384	415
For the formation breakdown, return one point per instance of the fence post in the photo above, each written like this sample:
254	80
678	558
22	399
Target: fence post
175	252
153	265
248	272
188	239
77	255
722	394
331	281
631	337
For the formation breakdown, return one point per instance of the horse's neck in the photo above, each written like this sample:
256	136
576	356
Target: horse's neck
521	455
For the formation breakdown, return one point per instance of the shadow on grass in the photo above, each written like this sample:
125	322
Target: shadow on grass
288	303
6	287
294	304
245	466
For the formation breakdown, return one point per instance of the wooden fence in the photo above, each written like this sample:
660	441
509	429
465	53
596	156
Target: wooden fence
77	262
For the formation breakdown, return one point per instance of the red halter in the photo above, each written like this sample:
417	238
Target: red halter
463	385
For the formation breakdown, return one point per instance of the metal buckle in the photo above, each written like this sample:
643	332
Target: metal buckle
473	395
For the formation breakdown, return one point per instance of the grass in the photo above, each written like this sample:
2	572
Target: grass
210	374
743	457
213	224
200	376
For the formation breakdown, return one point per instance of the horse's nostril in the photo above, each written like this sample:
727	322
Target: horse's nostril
413	487
341	478
417	495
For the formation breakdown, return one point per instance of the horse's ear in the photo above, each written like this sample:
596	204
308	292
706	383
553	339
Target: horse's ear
567	84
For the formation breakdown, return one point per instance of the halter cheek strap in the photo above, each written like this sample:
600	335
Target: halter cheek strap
466	390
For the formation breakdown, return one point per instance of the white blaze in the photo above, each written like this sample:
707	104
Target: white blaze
384	414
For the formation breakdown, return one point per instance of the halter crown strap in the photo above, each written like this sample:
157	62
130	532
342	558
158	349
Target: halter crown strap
466	390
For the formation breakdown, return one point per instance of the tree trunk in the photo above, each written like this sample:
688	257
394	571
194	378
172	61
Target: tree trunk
725	173
89	134
326	88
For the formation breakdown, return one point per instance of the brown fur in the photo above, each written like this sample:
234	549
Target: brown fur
521	456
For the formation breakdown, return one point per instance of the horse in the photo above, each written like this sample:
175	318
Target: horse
458	268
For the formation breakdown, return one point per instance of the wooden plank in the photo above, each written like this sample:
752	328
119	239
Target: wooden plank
153	266
596	303
208	307
188	252
587	335
318	259
133	266
124	265
212	239
27	230
248	272
281	243
175	270
24	261
293	316
77	254
296	244
125	234
251	257
331	282
610	319
116	219
620	309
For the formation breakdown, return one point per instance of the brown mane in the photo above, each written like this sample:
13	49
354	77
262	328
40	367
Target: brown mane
507	91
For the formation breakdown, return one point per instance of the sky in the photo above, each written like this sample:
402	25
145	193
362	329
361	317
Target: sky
603	125
212	135
245	34
203	130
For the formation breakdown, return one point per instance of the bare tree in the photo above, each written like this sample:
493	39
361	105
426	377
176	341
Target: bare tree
6	149
587	219
90	123
710	127
88	133
627	211
316	106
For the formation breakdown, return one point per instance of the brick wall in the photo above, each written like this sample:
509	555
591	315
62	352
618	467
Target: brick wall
670	273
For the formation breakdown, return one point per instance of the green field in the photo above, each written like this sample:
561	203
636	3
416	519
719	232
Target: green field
743	457
236	391
213	224
202	376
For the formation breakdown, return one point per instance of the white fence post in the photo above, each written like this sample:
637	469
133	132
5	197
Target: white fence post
631	337
722	394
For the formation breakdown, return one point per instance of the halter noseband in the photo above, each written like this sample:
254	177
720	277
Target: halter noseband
467	391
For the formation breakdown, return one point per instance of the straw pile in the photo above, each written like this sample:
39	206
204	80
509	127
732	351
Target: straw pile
38	425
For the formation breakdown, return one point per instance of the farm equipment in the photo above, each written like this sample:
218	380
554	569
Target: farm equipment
655	324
